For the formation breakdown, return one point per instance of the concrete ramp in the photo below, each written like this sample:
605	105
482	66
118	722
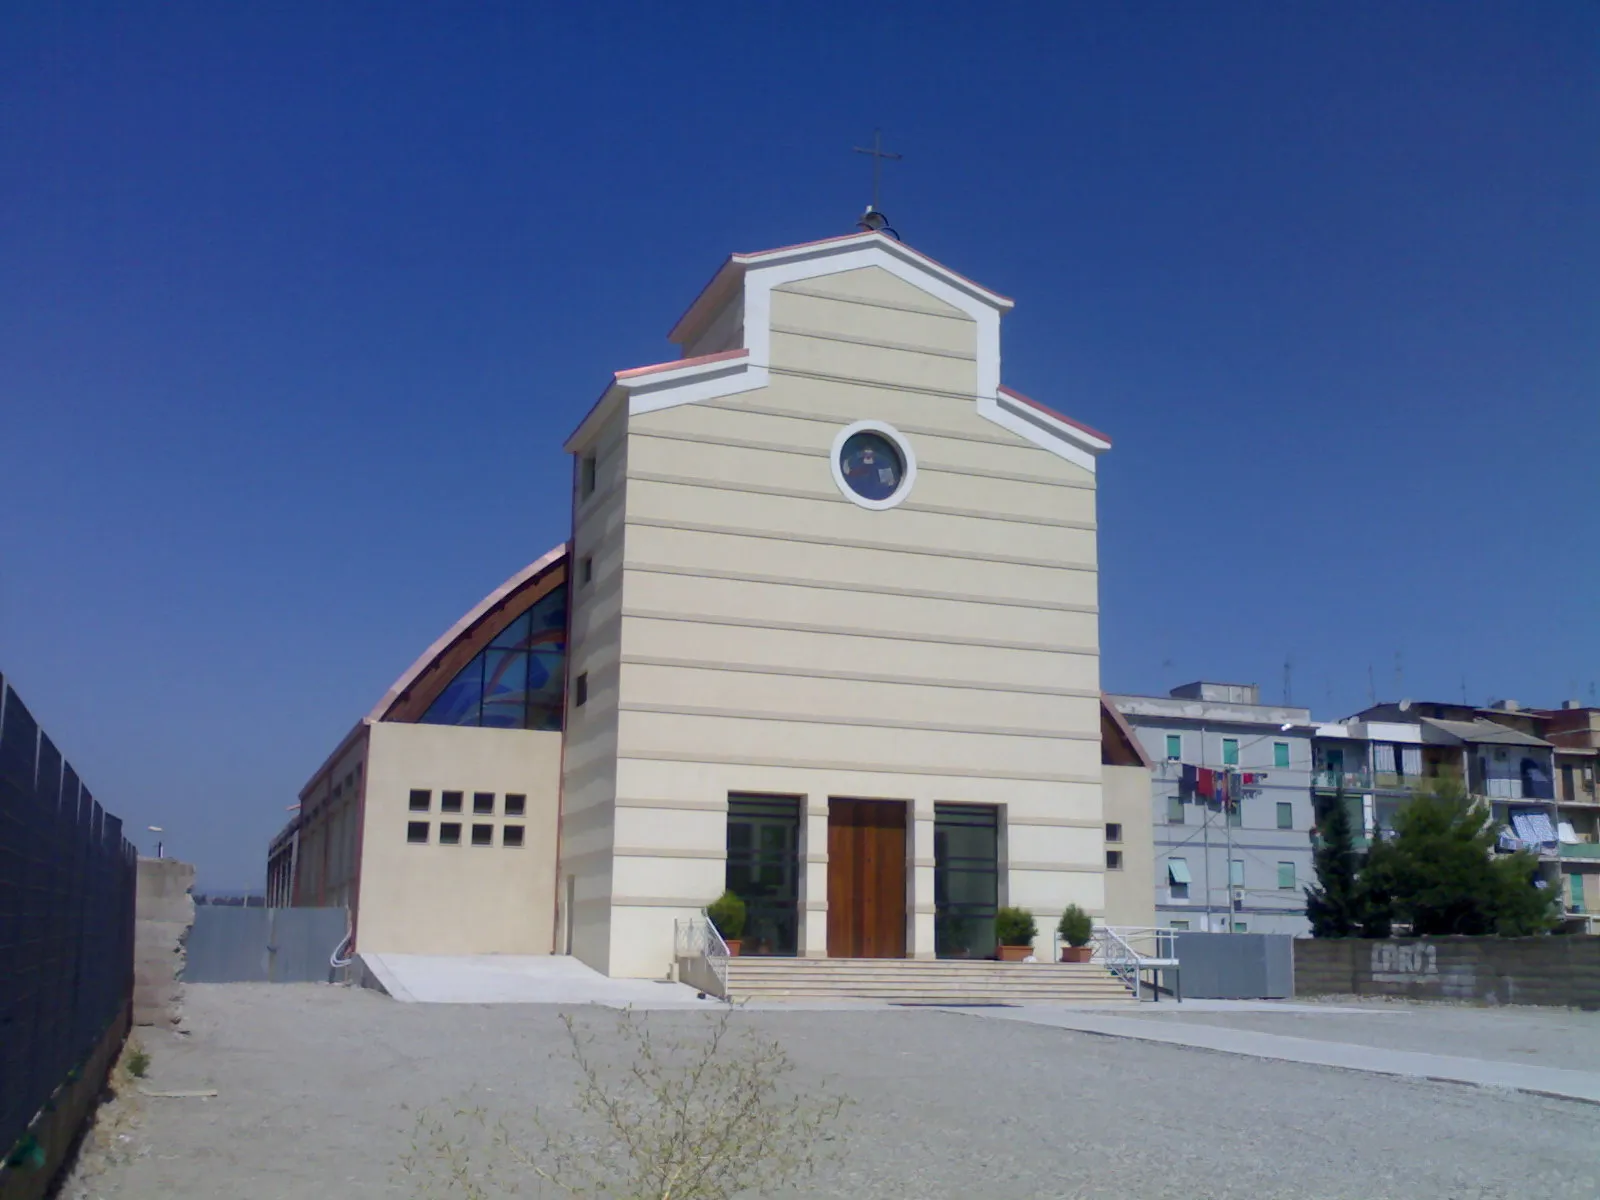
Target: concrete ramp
514	979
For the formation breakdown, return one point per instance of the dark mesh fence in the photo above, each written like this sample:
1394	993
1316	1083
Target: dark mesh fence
67	878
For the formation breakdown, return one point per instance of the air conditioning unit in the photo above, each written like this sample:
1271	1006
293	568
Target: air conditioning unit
1238	896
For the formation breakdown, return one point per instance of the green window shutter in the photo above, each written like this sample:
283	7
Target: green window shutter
1285	815
1230	752
1280	754
1174	747
1575	890
1174	810
1286	875
1236	873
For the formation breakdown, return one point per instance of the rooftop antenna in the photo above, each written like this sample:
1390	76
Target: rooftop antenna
1399	673
873	220
1288	680
1372	687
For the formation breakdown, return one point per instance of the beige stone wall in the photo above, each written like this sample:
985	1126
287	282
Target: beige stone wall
775	637
463	899
593	651
1130	892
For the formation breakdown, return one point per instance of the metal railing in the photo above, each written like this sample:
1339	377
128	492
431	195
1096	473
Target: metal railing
696	941
1350	781
1129	952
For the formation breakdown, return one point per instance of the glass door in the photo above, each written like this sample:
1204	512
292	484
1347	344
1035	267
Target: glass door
966	879
763	870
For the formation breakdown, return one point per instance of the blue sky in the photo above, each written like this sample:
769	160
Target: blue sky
299	300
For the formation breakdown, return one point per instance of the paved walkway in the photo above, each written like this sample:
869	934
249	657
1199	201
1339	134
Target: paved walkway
518	979
1544	1081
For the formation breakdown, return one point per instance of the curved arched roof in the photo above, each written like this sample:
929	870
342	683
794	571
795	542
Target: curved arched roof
409	696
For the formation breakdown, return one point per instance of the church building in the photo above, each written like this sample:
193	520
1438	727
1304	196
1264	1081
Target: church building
825	633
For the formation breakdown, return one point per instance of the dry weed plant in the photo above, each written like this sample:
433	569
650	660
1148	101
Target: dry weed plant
687	1117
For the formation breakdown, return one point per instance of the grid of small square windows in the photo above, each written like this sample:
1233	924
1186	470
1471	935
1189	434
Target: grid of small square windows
514	836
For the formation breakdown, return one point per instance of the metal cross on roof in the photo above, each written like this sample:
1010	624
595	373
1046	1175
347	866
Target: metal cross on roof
878	155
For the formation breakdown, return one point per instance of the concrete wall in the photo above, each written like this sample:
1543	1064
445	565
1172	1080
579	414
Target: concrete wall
432	898
163	916
774	637
1543	970
327	851
1130	892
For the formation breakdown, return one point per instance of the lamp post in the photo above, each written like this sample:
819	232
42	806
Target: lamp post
159	846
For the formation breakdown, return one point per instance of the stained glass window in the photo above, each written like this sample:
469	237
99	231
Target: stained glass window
517	681
871	465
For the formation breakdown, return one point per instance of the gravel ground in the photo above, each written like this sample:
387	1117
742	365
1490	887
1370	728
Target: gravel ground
1545	1037
318	1089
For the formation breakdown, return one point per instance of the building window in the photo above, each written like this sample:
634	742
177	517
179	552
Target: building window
416	832
1113	833
1174	810
1177	924
516	681
1178	878
1236	873
580	690
1174	747
1285	815
873	465
586	476
483	803
516	804
1241	927
1286	876
511	835
450	833
449	801
586	570
1280	754
421	799
483	835
1113	860
1230	752
1236	813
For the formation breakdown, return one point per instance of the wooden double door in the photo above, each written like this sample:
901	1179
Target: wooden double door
866	879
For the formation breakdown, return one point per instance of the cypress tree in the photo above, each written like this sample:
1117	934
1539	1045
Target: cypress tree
1334	904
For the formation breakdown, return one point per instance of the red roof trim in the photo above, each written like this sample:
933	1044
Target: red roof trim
1060	416
698	360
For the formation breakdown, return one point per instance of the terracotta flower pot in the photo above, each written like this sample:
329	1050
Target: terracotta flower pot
733	947
1076	953
1014	953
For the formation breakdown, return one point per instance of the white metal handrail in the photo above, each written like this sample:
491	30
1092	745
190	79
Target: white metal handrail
697	937
1129	951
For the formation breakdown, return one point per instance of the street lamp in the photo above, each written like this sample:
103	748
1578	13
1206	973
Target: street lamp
157	829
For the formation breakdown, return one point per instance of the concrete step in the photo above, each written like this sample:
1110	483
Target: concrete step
921	981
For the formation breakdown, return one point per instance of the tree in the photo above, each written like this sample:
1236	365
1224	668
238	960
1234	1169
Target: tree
1335	903
1444	875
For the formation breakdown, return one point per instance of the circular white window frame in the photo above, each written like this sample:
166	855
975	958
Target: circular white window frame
898	440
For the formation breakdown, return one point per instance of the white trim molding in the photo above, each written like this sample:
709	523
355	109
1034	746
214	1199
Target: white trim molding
908	460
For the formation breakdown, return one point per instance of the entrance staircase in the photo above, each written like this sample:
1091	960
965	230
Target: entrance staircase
916	981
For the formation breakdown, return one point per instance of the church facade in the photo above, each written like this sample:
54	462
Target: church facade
825	633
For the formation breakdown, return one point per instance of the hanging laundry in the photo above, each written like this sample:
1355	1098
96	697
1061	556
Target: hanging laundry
1186	782
1205	783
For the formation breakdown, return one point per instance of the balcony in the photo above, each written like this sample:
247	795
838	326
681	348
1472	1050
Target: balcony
1333	781
1393	781
1581	851
1497	788
1585	797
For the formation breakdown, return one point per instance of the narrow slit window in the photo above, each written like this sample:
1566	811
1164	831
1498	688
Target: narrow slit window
1113	860
1113	833
580	690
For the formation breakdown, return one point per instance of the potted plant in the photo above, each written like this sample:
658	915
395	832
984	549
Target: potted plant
1014	929
727	913
1075	929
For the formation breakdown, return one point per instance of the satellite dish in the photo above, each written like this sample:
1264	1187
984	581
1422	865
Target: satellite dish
1405	705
